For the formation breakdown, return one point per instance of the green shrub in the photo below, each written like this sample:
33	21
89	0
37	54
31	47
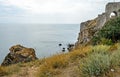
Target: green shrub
95	65
105	41
95	40
100	49
110	31
115	58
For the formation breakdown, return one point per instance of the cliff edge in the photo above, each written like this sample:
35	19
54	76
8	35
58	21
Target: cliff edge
90	28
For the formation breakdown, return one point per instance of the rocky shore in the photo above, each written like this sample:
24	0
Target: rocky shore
19	53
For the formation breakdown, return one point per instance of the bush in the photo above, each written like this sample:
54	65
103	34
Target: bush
110	31
100	49
95	40
115	58
95	65
100	60
106	41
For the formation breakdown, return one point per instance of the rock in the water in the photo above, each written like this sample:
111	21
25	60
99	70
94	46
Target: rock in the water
18	54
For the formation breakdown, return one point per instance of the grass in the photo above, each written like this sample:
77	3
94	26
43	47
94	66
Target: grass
100	60
91	61
35	63
13	69
3	71
100	49
79	53
115	59
52	64
94	65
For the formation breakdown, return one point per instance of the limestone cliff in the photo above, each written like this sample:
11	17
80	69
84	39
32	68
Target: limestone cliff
89	28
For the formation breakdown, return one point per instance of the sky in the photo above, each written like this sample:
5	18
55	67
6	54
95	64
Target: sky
50	11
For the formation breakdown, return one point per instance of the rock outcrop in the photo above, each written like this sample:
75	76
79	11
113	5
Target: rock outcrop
90	28
18	54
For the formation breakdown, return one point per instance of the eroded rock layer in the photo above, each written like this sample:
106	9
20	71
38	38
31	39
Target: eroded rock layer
18	54
90	28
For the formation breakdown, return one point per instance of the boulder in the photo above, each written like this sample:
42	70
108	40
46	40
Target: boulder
19	53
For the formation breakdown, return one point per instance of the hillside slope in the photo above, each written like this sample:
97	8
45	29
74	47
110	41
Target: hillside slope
99	60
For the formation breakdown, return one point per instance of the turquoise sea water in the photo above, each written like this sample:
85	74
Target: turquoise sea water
44	38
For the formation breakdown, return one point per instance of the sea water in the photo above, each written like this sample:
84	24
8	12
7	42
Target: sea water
44	38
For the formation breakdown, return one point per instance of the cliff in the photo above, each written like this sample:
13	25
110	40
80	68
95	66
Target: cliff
89	28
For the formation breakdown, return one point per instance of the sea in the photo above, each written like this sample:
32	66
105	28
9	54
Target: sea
44	38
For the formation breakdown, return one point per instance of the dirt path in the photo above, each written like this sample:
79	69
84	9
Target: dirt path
25	72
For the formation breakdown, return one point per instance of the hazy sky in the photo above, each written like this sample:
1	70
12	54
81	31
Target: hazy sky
50	11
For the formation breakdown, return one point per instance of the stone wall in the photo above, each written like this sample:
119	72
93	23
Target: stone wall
112	7
89	28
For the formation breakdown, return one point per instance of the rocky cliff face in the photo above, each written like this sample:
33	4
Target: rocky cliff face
18	54
89	28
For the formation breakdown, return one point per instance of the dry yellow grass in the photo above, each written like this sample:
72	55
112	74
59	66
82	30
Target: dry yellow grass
79	53
55	65
2	71
52	65
8	70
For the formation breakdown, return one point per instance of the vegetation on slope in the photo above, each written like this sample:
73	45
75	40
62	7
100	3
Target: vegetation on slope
102	60
109	34
84	62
